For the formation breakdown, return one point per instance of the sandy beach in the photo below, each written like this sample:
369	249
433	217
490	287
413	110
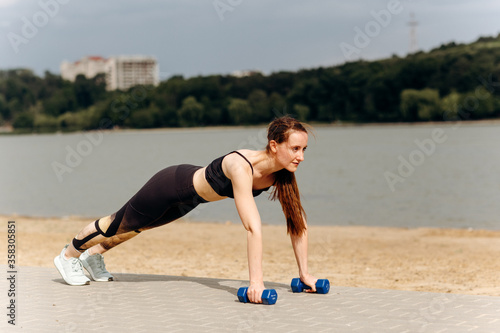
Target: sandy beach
423	259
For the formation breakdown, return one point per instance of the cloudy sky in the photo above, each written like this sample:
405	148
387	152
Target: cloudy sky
200	37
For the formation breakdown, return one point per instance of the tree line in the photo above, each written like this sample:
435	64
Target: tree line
453	81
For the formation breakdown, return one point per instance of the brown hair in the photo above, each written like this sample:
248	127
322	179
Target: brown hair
285	186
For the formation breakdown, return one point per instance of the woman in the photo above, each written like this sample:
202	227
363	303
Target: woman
176	190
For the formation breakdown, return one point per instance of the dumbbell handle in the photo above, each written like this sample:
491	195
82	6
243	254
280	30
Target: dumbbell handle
322	286
269	296
304	286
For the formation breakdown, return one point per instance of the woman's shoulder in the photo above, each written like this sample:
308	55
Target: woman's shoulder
238	160
245	151
242	155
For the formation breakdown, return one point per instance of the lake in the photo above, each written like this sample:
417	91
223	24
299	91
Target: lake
433	175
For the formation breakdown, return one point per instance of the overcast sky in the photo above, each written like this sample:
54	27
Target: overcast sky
200	37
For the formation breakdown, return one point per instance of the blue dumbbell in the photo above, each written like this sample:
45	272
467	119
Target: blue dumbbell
322	286
269	296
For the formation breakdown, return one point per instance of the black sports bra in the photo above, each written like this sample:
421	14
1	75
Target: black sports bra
218	180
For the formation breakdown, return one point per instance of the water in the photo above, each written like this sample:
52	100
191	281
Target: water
342	181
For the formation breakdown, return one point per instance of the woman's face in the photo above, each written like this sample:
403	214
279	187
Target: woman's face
290	153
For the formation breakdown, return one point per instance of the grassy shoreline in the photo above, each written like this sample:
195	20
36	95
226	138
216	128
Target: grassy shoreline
340	124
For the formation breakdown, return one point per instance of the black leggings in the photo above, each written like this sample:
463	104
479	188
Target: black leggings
167	196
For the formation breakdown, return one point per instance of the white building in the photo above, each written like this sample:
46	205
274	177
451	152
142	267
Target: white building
246	73
122	72
88	66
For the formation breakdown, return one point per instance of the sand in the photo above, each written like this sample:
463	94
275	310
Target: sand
422	259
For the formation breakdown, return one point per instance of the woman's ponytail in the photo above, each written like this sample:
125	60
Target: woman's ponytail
287	192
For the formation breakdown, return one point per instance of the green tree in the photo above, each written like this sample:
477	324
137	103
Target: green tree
45	123
60	102
87	91
74	121
450	106
168	116
24	121
277	104
17	88
51	84
260	106
420	104
473	106
144	118
239	111
4	109
96	116
301	112
191	112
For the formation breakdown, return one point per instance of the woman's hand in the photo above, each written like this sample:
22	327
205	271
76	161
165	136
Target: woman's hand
254	292
309	280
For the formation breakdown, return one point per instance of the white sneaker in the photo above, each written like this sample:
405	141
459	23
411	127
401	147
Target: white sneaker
70	270
94	264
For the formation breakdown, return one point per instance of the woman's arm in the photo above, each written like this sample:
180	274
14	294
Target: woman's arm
300	244
241	178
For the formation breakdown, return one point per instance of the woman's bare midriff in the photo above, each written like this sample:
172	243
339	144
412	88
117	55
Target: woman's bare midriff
203	188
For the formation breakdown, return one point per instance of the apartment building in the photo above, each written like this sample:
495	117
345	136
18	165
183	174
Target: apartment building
122	72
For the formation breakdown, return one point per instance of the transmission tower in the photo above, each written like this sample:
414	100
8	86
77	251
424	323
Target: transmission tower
413	33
